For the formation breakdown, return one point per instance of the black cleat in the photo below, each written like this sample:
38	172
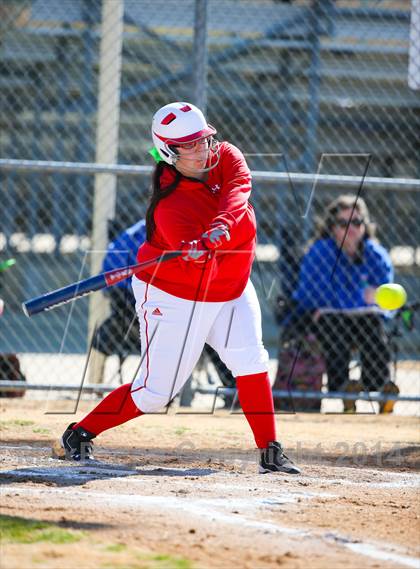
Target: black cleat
273	459
75	444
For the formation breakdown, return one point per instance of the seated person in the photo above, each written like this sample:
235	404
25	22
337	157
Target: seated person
341	270
10	369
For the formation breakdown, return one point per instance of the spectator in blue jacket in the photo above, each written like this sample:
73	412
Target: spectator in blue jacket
122	250
118	334
341	270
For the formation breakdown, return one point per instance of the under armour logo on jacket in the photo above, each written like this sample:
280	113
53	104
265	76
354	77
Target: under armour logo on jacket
214	189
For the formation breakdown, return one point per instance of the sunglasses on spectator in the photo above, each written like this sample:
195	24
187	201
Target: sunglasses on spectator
357	222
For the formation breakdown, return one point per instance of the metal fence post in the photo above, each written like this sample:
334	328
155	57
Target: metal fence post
200	54
106	142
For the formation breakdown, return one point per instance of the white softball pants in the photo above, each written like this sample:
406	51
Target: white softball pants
173	332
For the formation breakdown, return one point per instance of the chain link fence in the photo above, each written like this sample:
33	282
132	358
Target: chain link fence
326	87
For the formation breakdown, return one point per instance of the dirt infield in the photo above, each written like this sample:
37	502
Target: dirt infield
181	491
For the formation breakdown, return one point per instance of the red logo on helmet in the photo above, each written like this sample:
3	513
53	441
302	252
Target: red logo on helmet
168	119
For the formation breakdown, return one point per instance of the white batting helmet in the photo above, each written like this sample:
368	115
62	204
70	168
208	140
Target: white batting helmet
175	124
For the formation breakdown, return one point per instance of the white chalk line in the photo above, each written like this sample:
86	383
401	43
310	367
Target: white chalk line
402	480
378	551
206	508
373	551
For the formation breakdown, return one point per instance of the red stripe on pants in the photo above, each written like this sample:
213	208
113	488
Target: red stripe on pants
147	342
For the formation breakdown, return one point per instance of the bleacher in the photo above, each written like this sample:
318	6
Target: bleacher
359	82
362	51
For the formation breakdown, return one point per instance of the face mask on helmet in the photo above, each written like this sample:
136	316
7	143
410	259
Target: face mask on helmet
180	124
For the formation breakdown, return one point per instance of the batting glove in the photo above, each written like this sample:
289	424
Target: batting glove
194	251
216	236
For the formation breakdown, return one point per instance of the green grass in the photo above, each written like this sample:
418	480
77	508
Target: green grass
163	561
20	530
14	529
181	430
144	560
16	423
41	431
116	547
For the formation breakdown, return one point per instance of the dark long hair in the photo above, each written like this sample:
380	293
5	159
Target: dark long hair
157	193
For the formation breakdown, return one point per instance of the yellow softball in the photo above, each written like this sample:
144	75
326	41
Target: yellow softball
390	296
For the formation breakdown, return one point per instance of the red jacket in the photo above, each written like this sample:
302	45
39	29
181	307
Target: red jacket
186	213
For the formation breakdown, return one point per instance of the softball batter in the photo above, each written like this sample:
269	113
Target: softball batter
199	206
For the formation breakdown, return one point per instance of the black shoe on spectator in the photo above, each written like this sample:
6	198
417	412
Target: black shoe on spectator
352	386
388	389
